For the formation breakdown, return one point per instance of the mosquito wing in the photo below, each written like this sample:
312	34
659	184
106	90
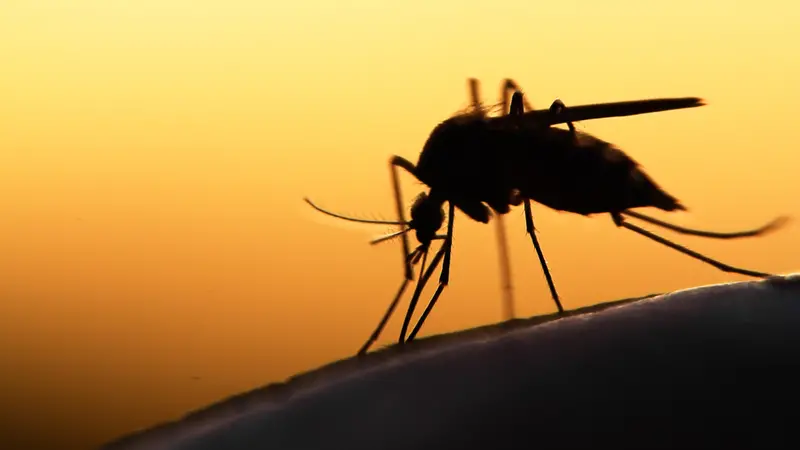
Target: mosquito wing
543	117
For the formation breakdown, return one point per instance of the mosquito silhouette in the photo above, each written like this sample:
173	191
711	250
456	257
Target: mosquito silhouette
471	161
427	218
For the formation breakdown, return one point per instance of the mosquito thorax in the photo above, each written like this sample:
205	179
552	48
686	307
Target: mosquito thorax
453	150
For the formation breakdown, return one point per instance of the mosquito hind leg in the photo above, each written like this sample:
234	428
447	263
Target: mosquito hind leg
620	222
773	225
532	231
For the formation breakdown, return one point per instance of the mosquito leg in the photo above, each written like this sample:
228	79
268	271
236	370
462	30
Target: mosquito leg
398	201
474	94
424	276
420	285
429	307
425	313
375	334
505	269
532	232
517	105
769	227
394	163
423	280
444	277
507	87
620	222
413	258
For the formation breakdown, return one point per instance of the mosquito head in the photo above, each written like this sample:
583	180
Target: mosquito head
427	217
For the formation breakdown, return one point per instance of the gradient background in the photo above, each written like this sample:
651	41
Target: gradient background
155	252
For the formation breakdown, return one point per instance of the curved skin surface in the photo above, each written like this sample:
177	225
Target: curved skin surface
708	367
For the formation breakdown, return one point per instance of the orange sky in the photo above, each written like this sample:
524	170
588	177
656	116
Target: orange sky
155	155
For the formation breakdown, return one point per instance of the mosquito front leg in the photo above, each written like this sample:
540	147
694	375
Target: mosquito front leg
398	201
394	163
423	280
375	334
444	277
412	258
427	311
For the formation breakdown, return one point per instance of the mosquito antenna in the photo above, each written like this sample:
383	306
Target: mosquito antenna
353	219
389	236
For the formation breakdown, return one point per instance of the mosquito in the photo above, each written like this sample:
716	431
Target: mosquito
427	218
453	164
566	170
471	161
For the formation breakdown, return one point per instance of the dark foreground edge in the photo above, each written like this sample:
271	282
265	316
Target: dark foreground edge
278	393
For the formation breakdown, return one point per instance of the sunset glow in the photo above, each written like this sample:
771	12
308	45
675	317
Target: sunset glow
155	251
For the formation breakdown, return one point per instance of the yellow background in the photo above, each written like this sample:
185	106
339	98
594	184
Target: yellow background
155	252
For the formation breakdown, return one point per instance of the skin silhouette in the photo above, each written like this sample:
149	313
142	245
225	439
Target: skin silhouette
708	367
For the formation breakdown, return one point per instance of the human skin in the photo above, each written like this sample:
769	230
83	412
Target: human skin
705	367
